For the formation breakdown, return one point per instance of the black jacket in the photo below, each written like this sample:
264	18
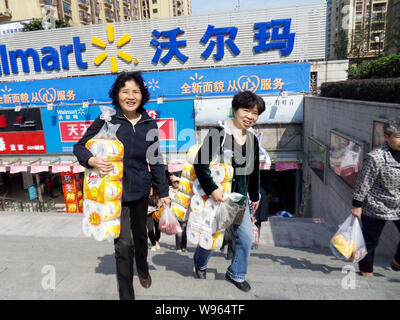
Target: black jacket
246	176
137	179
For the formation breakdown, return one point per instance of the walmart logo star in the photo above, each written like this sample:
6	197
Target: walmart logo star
120	43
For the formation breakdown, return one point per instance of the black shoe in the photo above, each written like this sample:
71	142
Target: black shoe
244	286
200	274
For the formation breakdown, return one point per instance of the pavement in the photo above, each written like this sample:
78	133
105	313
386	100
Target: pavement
45	256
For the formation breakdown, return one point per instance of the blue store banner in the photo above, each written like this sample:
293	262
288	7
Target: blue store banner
64	126
261	79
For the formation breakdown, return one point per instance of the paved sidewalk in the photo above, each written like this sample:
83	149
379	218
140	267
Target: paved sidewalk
293	261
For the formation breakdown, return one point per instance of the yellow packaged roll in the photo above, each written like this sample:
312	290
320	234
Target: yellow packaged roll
112	229
112	190
94	185
112	150
192	153
188	172
183	199
221	172
179	211
117	172
218	238
185	186
112	210
226	187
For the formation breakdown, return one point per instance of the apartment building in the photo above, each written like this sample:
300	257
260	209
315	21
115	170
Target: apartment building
361	23
83	12
150	9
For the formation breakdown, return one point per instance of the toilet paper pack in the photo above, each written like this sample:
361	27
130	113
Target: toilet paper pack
102	193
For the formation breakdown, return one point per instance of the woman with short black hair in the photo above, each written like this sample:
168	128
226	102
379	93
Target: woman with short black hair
138	132
235	141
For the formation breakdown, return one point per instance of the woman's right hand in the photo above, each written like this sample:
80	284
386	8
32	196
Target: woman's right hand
356	212
101	164
218	195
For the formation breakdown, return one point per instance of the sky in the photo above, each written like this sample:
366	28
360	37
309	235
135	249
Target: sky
212	6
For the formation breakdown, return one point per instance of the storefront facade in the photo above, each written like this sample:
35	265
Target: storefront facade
53	82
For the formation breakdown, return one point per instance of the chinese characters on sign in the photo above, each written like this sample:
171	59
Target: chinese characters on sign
44	95
73	191
251	83
271	35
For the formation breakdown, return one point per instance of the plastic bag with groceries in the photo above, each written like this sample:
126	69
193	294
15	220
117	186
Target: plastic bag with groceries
348	242
102	193
168	223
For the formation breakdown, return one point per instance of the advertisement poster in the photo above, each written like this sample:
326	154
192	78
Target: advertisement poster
73	192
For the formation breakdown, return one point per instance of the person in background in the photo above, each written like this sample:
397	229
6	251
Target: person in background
138	132
180	238
233	138
376	197
262	212
153	232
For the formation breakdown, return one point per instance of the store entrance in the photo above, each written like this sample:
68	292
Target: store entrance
280	188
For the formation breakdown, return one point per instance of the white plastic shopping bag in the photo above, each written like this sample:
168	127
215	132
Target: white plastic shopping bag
348	242
168	223
228	210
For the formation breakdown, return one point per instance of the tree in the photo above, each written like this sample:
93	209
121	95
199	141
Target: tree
341	46
392	37
36	24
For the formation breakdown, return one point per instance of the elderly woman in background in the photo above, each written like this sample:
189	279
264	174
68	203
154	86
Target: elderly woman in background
376	197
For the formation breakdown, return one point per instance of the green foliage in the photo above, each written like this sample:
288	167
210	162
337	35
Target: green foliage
36	24
382	90
383	67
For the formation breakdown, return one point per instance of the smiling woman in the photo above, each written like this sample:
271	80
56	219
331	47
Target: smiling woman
129	95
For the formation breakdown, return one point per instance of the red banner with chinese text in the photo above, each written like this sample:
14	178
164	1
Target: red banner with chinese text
73	191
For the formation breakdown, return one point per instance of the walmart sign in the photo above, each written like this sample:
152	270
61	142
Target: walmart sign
49	61
259	36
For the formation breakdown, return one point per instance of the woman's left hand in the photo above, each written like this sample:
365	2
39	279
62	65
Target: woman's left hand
166	201
254	206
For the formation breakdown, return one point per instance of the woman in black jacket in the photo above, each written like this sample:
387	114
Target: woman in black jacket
139	134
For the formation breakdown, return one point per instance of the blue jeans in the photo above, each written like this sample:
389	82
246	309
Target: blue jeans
241	253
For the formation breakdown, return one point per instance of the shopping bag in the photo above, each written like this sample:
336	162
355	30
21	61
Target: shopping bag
227	210
168	223
348	242
255	229
102	193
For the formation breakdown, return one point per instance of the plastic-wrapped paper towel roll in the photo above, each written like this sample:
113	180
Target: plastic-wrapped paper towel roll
117	172
185	186
211	205
206	241
182	199
197	203
217	173
112	150
188	172
192	153
193	236
112	210
179	211
226	187
113	190
197	188
228	172
112	229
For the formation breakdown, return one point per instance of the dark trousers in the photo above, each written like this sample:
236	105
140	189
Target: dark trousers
152	230
372	229
180	238
131	244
